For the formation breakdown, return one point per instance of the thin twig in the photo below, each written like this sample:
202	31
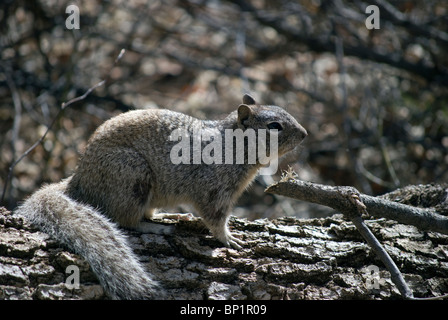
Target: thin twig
355	217
371	177
17	118
376	246
347	123
63	107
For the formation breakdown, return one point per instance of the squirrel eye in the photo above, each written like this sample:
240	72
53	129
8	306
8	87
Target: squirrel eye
275	125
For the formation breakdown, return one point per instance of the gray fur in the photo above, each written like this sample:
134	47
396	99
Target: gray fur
92	235
126	173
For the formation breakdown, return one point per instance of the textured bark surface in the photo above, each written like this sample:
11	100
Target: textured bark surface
287	258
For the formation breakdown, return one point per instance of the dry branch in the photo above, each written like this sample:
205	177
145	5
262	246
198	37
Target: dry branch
351	203
424	219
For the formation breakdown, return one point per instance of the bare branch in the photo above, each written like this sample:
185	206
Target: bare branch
424	219
41	139
351	203
17	118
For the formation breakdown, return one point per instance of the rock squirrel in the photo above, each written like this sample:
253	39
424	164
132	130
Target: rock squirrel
127	171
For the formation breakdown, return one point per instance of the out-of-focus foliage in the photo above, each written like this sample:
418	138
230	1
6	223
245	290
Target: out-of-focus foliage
375	102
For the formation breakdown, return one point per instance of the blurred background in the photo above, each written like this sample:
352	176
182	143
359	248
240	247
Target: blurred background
374	101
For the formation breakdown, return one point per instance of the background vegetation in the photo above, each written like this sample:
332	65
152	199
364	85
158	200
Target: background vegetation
375	102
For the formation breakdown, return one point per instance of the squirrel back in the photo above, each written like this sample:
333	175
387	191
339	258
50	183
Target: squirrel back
131	167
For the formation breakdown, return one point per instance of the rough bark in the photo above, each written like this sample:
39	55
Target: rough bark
286	258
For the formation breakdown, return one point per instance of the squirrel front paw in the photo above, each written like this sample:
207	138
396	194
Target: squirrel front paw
234	243
229	240
221	232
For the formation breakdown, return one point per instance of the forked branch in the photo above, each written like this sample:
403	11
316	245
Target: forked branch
353	205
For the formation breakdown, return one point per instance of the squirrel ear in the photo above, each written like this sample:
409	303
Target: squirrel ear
244	113
247	99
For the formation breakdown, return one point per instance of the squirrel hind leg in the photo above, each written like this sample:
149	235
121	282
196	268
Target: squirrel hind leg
120	186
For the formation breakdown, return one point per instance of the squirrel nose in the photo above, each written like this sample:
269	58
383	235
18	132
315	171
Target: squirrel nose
302	132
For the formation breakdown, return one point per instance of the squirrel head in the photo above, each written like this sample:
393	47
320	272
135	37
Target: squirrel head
289	132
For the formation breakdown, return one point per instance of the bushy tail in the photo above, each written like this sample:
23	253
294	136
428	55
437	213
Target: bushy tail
94	237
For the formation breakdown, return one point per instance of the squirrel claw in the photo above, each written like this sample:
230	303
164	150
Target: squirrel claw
235	243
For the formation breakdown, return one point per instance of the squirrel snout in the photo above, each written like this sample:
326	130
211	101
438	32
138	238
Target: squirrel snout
302	132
